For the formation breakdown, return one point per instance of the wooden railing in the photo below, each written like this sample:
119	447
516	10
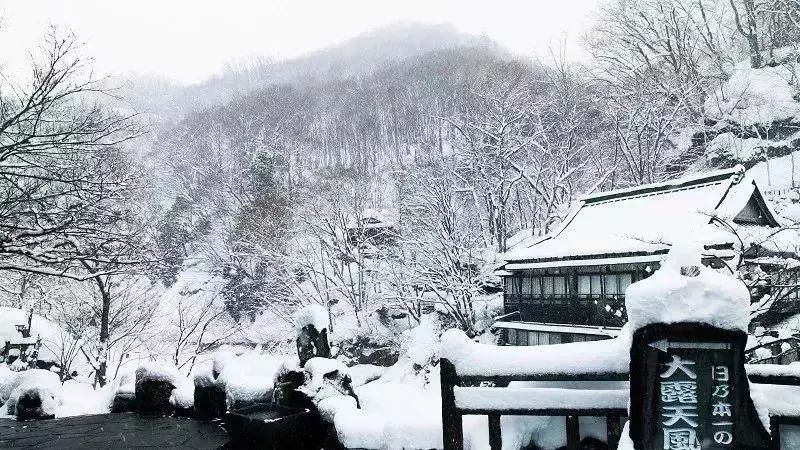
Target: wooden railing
452	383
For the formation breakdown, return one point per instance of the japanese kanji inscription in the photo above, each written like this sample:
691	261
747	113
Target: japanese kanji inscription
689	390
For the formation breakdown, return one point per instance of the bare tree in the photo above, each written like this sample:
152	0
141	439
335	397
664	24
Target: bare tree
54	183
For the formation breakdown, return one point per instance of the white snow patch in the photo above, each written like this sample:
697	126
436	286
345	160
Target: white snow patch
312	314
79	398
158	371
756	96
471	358
183	395
251	376
331	406
539	398
667	296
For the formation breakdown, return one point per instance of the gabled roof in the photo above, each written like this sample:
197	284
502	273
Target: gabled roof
646	220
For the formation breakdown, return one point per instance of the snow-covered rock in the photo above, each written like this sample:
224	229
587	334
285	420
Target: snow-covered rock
43	383
251	376
158	371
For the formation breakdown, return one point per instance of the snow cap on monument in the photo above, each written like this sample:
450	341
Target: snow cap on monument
684	290
312	314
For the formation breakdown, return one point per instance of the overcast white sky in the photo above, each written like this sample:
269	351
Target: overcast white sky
190	40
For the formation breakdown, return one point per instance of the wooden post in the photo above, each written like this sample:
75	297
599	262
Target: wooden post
613	431
452	428
775	432
495	435
573	433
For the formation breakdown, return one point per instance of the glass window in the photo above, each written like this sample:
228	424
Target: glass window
526	285
548	286
512	336
611	284
533	338
584	285
560	286
522	338
537	286
555	338
596	287
625	280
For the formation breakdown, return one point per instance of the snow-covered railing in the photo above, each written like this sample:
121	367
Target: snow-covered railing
467	367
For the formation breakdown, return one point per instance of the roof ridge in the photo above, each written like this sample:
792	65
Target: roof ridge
697	180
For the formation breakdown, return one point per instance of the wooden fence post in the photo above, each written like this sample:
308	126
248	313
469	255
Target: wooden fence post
452	428
613	431
573	433
775	433
495	432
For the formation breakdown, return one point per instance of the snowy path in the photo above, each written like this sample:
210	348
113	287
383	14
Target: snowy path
111	431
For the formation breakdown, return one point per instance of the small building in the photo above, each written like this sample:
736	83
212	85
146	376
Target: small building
570	285
374	227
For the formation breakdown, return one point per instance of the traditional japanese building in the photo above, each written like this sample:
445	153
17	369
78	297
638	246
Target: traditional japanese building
570	285
374	227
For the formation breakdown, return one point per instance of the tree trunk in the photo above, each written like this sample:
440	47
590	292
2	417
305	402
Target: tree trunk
100	377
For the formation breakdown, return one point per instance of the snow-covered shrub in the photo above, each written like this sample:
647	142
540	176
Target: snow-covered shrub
419	358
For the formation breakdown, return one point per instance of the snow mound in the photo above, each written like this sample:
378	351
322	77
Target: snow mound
79	398
318	367
183	396
251	376
382	424
361	374
125	383
331	406
45	382
204	379
669	296
221	358
155	371
312	314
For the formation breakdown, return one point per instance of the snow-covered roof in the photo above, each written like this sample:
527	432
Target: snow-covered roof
646	220
374	218
53	337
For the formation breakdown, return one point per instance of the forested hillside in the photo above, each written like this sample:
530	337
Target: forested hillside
262	189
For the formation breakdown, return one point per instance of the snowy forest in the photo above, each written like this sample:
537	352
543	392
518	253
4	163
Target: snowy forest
382	179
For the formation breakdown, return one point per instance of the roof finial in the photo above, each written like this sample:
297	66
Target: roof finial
738	174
